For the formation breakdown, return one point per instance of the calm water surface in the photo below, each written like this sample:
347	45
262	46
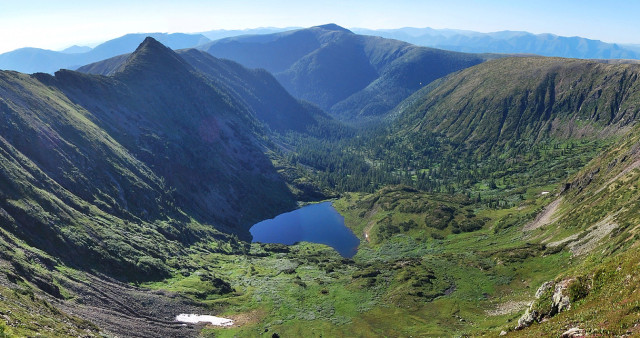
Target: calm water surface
316	223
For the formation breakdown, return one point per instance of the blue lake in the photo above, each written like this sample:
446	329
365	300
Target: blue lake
316	223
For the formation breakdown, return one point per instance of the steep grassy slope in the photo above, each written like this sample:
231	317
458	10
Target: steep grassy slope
487	121
68	186
527	99
189	131
594	216
89	160
351	76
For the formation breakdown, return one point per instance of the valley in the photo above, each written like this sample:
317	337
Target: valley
486	191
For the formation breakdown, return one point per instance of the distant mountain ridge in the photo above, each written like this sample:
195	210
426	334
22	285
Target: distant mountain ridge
32	60
217	34
507	42
75	49
348	75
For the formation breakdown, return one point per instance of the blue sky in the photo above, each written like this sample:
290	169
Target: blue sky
56	24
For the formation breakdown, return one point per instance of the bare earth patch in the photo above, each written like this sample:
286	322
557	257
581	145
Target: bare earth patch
370	225
545	217
251	317
508	308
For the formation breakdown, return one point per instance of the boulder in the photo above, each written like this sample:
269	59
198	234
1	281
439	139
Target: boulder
574	332
561	299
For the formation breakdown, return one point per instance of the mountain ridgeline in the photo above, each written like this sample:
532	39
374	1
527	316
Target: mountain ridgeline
256	89
31	60
348	75
526	99
507	42
91	159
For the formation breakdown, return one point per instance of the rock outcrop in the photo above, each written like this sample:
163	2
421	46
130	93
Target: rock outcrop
551	298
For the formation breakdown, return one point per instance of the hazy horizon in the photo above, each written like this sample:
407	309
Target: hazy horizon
61	24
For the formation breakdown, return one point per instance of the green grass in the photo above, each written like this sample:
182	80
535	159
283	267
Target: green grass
23	314
408	284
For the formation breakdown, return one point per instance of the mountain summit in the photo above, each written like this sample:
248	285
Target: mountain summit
334	27
152	57
348	75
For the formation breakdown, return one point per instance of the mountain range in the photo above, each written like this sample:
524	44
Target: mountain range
348	75
257	89
374	74
32	60
507	42
225	33
492	195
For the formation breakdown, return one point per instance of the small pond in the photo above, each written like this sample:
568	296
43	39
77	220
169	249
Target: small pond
316	223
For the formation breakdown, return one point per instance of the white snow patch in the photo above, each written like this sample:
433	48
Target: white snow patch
544	193
191	318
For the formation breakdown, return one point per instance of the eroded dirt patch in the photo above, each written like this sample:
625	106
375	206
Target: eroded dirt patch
545	217
128	311
507	308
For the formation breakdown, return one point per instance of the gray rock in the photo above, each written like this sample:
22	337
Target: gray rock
574	332
543	288
560	301
527	318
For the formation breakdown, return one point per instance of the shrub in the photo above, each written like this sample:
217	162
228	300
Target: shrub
578	289
440	217
436	235
408	225
149	268
4	331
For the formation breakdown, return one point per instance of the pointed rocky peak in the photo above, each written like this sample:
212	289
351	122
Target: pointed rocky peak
151	56
151	43
334	27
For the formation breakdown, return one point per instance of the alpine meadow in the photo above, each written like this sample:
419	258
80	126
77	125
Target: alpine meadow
490	189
